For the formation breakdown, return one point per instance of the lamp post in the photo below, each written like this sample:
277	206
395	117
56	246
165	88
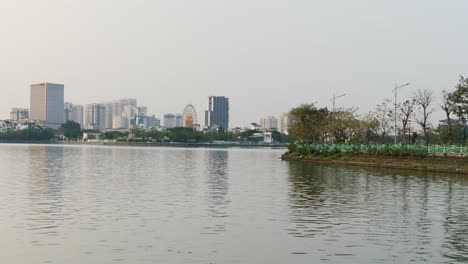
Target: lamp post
334	100
395	90
333	107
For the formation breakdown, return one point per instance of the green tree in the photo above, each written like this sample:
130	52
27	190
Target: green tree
309	123
72	130
448	107
459	98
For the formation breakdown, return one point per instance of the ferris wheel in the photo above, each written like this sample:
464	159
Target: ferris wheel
190	116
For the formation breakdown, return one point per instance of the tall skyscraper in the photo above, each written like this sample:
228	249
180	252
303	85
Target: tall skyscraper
218	112
47	104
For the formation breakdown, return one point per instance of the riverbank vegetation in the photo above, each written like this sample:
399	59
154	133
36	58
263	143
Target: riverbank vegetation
405	123
375	139
30	134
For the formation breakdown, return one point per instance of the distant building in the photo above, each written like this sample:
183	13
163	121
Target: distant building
218	112
17	114
169	120
95	116
74	113
284	123
255	126
453	122
47	104
269	123
148	122
120	118
142	111
109	115
179	120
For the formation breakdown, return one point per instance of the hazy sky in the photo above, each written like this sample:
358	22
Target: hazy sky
266	55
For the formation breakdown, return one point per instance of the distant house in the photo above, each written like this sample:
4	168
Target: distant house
453	122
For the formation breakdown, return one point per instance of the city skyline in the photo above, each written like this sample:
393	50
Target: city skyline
167	55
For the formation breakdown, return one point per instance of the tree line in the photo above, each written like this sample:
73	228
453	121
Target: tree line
320	125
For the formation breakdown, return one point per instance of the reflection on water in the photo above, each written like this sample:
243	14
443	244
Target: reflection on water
45	194
86	204
400	215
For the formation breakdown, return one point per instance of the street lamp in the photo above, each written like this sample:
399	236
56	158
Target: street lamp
397	87
333	108
334	100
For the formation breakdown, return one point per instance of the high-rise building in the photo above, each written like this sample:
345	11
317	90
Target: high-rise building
218	112
269	123
142	111
108	115
95	116
169	120
17	114
179	119
74	113
284	123
47	104
148	122
119	117
78	114
68	111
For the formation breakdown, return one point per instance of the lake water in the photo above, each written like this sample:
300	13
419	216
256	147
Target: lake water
92	204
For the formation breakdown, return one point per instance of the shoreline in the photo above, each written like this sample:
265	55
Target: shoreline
458	165
142	144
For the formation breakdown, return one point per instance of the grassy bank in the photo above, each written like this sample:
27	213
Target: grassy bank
450	164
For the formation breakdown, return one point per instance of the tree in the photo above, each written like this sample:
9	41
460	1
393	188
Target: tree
459	98
424	98
345	126
309	123
406	113
371	126
447	106
72	130
383	114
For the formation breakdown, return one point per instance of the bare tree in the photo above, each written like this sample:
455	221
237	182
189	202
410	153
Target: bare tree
383	114
448	106
406	113
424	99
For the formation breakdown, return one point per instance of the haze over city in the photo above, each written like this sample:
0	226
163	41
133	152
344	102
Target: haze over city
266	56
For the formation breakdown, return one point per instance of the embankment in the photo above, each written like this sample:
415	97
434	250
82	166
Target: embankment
428	163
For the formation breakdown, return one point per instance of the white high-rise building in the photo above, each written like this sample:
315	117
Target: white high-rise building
77	115
119	118
17	114
179	120
128	116
47	104
109	115
284	123
169	120
95	116
269	123
74	113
